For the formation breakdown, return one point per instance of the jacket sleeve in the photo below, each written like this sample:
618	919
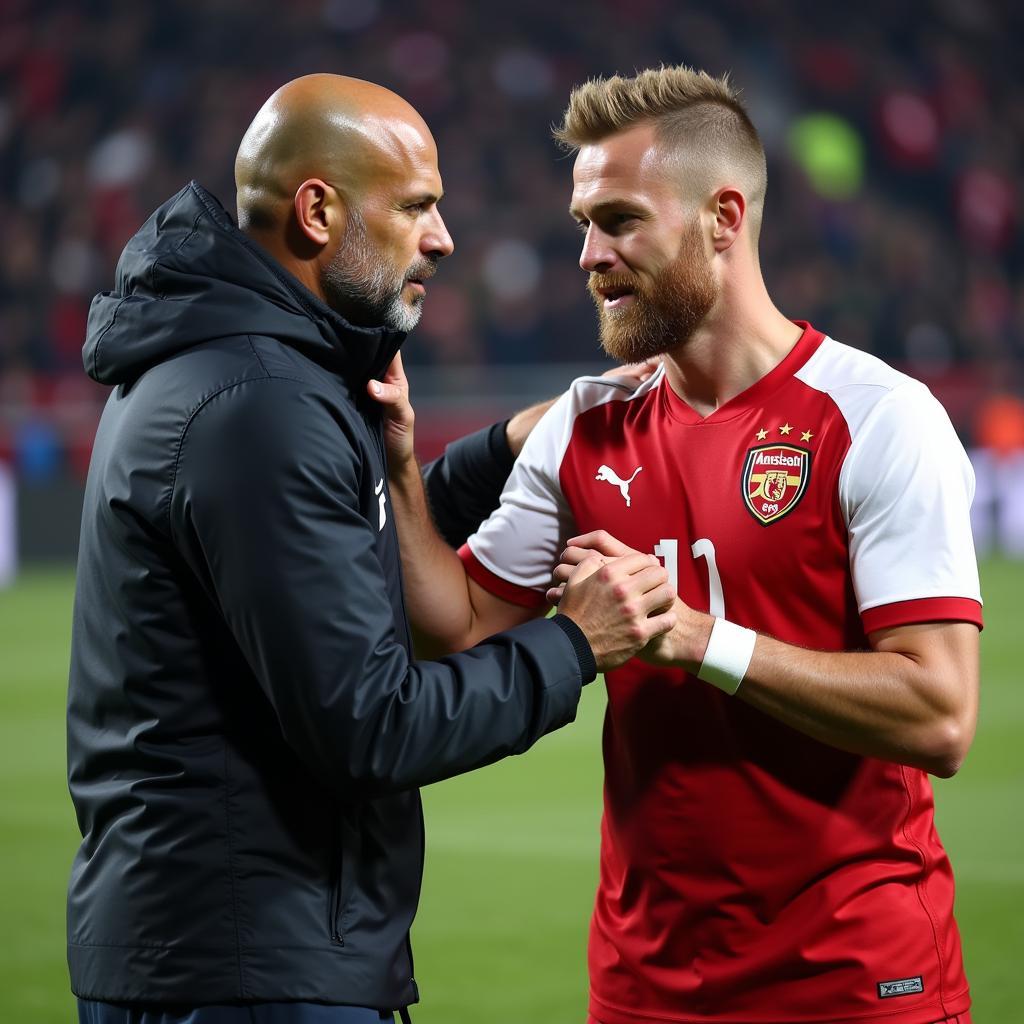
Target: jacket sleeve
266	510
464	484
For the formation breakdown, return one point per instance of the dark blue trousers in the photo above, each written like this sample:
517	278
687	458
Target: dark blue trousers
91	1012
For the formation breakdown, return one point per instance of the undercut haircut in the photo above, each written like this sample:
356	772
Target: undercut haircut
697	118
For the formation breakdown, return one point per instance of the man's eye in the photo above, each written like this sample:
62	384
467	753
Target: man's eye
582	226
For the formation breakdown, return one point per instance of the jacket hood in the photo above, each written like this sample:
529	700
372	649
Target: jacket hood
189	275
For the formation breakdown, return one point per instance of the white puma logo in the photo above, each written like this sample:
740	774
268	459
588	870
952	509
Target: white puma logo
608	474
381	498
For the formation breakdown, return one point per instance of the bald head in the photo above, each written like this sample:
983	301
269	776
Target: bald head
338	180
342	130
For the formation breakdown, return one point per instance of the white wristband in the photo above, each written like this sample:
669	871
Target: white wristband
728	656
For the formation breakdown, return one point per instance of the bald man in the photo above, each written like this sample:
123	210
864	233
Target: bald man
246	726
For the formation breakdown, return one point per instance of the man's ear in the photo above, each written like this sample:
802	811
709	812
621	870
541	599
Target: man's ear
319	211
730	209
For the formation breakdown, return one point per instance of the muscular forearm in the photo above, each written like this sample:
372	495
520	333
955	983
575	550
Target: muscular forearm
913	698
882	704
436	588
916	705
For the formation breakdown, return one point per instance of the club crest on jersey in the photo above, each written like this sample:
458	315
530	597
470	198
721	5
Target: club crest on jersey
774	480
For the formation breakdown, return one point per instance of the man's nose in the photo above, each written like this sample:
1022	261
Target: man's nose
597	255
436	241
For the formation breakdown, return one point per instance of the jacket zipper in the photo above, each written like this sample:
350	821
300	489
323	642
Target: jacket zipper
334	924
376	432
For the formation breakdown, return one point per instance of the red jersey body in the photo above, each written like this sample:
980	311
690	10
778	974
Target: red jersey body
749	873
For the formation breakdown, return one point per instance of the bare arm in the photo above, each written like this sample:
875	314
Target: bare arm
624	602
913	698
448	610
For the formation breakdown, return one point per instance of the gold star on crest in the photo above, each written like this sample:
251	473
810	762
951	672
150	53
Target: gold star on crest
786	430
806	436
762	434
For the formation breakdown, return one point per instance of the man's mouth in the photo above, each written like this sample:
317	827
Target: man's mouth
422	273
619	295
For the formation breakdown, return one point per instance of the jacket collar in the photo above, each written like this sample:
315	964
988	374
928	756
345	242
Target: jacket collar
360	353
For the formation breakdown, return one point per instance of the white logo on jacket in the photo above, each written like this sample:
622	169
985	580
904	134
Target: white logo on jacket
381	498
609	475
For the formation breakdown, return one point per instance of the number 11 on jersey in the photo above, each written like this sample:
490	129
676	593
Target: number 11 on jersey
667	549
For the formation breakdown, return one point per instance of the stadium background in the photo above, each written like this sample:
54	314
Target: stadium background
893	222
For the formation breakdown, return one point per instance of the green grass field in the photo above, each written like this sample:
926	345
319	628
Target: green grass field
511	864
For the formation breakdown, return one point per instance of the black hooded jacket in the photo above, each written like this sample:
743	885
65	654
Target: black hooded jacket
246	727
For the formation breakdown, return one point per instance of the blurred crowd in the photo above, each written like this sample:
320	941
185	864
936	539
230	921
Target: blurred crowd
893	132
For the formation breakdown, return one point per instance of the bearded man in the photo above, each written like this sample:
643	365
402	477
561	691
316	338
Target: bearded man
768	851
246	726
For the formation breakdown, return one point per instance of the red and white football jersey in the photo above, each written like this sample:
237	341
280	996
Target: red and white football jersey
749	873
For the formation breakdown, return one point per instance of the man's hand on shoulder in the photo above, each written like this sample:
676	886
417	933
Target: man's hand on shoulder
634	373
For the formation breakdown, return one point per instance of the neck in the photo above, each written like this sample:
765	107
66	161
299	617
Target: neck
305	271
743	338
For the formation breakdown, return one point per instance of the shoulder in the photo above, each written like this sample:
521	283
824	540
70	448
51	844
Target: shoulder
864	388
181	386
253	375
258	446
900	436
271	417
550	439
586	394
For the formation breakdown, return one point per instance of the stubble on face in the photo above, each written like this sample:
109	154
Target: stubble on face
663	314
359	283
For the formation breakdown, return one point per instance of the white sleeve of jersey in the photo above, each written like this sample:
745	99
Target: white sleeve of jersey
905	490
521	540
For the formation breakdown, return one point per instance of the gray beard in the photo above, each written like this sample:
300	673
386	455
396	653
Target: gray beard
358	284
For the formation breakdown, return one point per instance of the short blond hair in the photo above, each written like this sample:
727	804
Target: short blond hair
695	116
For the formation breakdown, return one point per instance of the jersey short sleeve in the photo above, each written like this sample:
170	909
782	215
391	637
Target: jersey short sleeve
905	489
516	549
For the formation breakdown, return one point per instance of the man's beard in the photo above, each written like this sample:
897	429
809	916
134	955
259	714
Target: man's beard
359	283
662	315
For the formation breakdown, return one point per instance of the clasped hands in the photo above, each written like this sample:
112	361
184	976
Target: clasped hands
681	646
